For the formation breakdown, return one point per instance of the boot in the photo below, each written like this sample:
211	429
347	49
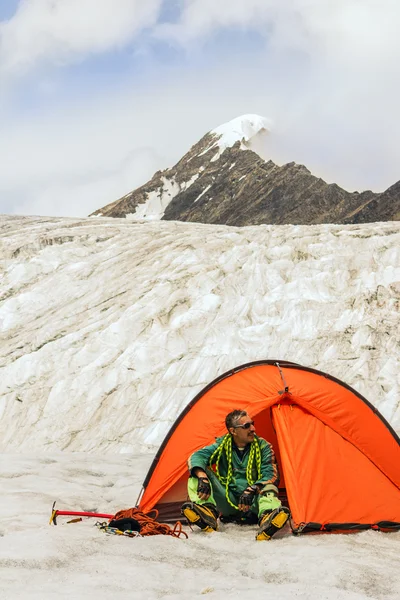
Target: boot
270	522
203	515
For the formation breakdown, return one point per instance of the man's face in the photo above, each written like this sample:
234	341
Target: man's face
243	435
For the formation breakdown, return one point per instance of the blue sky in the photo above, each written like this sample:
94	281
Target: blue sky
8	8
95	97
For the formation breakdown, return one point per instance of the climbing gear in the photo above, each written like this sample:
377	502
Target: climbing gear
271	522
203	515
247	496
254	456
148	525
126	524
77	520
203	486
55	513
131	520
103	526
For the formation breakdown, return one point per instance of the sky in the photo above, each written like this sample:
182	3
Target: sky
95	96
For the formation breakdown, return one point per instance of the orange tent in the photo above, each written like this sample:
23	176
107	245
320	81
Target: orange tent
339	459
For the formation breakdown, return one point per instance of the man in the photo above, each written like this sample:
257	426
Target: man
236	476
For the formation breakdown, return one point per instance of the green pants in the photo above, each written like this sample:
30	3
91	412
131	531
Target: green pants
261	503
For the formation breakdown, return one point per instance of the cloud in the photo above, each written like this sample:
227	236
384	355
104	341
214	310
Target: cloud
81	195
324	72
62	32
328	73
80	157
76	159
365	26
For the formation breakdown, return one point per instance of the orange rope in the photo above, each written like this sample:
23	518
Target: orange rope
149	525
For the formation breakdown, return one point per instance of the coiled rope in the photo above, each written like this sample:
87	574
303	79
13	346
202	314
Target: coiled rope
254	456
149	525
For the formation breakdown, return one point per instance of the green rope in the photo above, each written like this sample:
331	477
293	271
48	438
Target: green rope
226	445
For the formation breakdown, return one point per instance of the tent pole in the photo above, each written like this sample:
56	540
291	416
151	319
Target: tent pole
139	497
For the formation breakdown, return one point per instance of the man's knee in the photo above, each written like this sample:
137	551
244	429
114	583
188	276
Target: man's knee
269	488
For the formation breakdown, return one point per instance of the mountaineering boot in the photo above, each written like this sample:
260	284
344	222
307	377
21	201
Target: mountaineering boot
203	515
271	522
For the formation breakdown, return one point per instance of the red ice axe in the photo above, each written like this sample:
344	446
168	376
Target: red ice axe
55	513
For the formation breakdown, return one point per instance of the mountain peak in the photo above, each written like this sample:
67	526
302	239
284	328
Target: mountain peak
249	130
241	129
225	178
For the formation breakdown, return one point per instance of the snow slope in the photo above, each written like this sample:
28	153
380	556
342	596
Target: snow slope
241	129
157	201
77	561
250	130
110	327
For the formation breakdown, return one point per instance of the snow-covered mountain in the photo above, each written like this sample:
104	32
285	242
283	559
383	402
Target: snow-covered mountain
110	327
225	179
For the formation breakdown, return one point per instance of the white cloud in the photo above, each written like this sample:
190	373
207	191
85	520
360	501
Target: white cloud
77	159
82	195
344	37
63	31
329	75
202	17
327	78
331	27
83	156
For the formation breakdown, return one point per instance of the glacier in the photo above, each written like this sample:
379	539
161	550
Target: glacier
109	327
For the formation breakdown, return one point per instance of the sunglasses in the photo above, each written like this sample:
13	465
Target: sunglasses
245	425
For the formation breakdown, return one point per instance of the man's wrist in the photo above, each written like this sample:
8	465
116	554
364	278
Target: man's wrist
199	472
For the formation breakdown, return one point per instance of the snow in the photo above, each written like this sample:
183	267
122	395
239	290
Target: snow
73	561
249	130
109	327
202	193
157	201
154	207
188	183
241	129
99	317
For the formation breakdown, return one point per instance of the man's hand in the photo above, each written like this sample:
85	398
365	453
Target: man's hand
203	488
247	497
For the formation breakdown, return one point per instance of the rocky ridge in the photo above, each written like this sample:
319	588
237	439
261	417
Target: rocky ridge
222	180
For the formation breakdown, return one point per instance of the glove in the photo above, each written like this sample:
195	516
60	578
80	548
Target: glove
203	486
247	497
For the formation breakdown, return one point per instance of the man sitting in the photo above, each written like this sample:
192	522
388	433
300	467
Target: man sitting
236	476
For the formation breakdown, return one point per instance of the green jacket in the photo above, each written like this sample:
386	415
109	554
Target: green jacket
269	468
